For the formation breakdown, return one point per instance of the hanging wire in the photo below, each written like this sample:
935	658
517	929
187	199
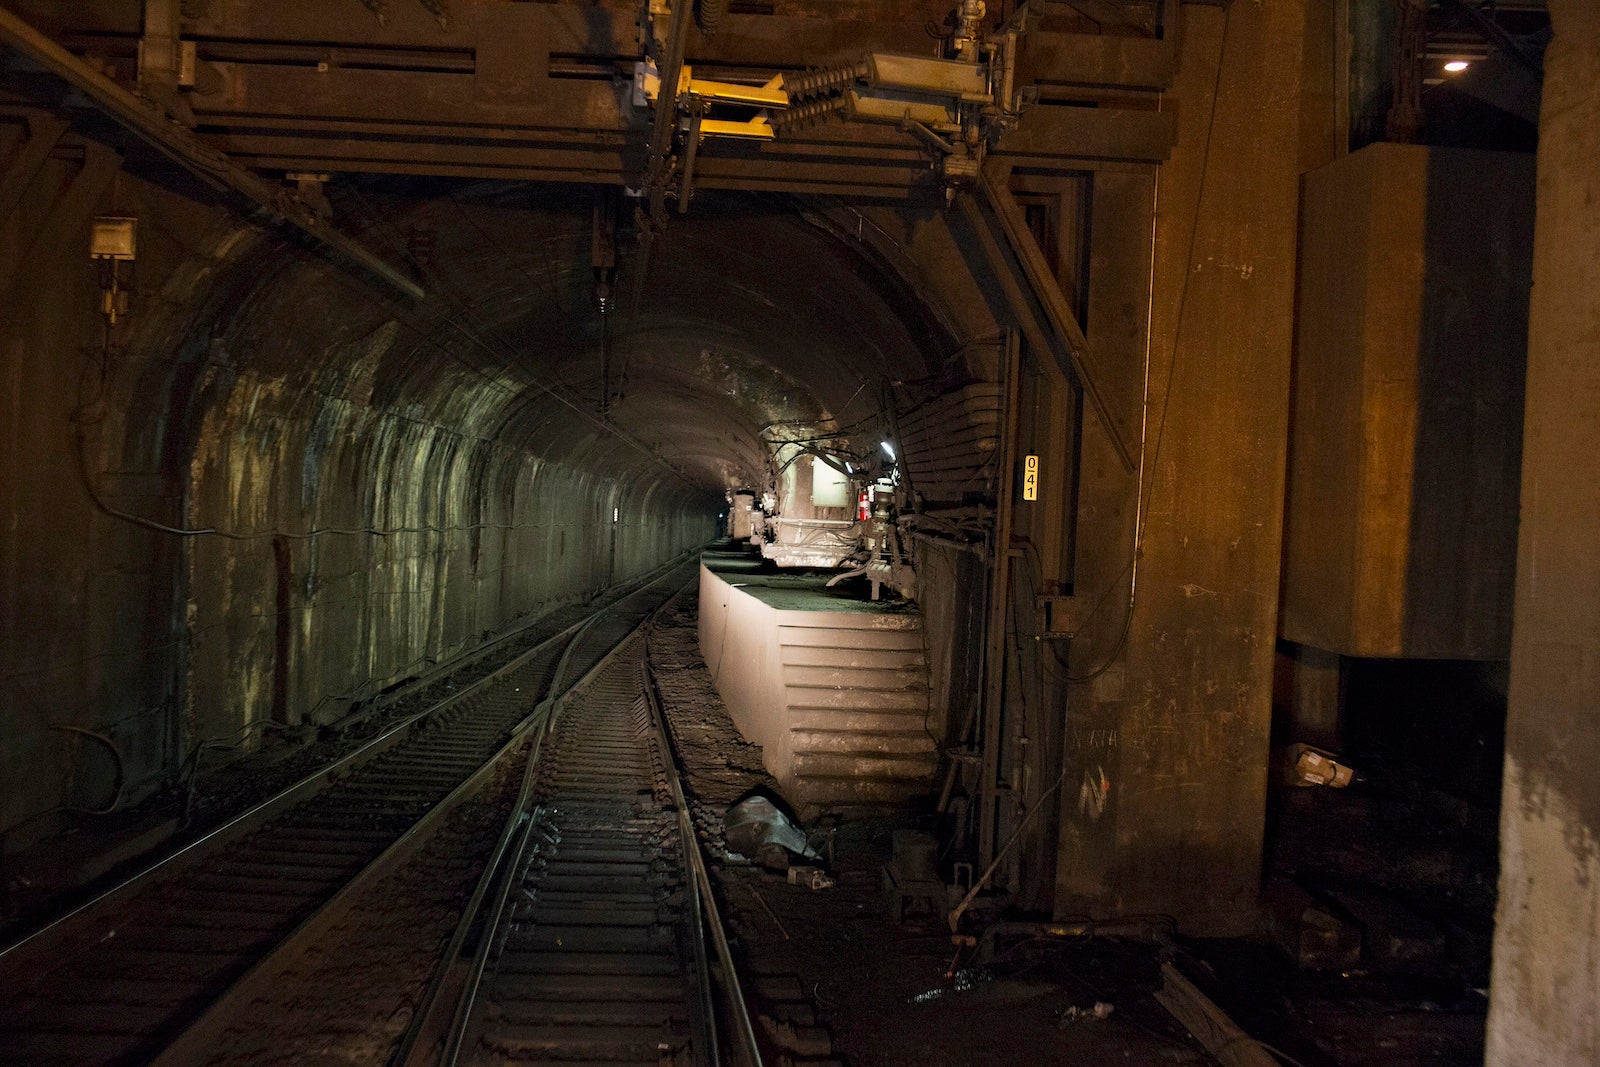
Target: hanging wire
508	362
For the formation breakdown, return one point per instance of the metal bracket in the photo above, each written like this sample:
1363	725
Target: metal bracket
1062	615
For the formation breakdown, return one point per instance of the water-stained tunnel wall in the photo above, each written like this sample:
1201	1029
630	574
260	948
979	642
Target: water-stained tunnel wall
274	489
420	515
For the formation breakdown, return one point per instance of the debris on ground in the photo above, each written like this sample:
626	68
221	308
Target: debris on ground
757	828
963	980
1100	1009
810	877
1312	766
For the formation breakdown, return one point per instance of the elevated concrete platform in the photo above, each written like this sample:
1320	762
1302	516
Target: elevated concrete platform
833	688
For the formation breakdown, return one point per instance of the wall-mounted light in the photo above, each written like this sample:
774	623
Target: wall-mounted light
887	447
1456	66
113	237
112	242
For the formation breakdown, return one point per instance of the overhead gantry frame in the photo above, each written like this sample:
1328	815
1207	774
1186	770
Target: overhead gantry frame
209	165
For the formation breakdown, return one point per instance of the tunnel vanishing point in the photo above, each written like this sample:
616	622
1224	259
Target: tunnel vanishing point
1172	364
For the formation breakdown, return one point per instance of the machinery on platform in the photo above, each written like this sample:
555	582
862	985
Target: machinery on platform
867	542
880	557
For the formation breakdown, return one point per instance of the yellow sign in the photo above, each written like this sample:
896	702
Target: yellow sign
1030	478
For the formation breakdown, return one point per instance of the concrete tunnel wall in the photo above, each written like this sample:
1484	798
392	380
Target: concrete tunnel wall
248	408
475	531
379	485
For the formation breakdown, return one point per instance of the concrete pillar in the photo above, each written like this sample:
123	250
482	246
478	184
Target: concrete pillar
1545	999
1316	701
1167	815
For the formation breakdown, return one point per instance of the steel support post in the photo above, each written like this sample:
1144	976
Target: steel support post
1036	301
990	790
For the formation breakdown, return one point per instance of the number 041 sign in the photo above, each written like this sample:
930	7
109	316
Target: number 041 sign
1030	478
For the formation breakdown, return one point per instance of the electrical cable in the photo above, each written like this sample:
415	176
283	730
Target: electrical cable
17	676
232	535
812	422
1273	1050
549	282
812	450
509	364
425	335
845	431
189	769
116	756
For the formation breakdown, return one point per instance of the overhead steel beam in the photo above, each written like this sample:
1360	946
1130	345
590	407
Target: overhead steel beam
211	166
666	116
71	209
1107	13
1035	298
44	131
1495	34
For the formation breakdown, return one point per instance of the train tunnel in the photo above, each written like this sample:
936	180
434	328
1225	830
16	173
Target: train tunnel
359	488
1138	446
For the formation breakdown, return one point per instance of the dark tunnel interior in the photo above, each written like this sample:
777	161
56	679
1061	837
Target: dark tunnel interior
860	532
426	474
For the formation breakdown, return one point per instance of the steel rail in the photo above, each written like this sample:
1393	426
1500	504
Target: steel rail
61	929
364	808
489	924
703	899
445	1021
17	953
499	877
201	1033
258	900
512	842
504	859
507	880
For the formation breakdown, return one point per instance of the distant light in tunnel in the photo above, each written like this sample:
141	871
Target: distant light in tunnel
1456	66
849	468
887	447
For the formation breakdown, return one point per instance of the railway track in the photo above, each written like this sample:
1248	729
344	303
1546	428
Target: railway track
587	940
149	971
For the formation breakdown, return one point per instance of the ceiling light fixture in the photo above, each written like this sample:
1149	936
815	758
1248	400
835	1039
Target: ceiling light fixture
1456	66
887	447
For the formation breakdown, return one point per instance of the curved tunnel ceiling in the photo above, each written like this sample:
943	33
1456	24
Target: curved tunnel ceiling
749	316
